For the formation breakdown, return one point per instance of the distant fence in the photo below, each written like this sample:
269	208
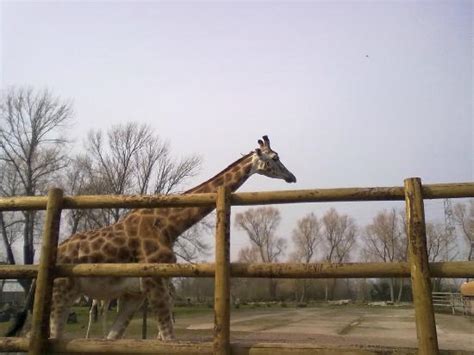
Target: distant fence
418	268
451	300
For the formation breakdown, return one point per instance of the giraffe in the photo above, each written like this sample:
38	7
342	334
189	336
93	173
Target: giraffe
145	236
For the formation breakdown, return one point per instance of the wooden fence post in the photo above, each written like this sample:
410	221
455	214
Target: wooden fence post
44	282
419	268
222	274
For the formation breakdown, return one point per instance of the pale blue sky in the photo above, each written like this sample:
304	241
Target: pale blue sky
351	93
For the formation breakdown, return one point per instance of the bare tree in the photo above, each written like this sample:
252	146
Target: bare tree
384	241
261	224
132	159
339	238
464	217
306	237
440	245
10	222
249	255
78	180
32	146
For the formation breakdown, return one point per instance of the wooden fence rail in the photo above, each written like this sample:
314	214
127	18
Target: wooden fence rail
417	268
397	193
452	269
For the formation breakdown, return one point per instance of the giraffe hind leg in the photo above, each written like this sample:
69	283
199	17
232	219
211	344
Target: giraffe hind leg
64	294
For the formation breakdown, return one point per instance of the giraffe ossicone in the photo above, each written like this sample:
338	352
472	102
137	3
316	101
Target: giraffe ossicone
145	236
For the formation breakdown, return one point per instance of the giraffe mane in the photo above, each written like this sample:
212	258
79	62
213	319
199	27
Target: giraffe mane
237	162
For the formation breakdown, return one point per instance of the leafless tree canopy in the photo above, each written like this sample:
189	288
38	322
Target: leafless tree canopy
464	217
127	159
31	148
261	224
30	135
131	159
384	238
339	236
306	238
440	244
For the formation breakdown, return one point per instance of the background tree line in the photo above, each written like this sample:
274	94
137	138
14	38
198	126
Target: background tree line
131	158
336	238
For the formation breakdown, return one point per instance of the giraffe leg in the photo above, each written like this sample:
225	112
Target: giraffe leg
91	315
64	294
128	306
105	310
160	303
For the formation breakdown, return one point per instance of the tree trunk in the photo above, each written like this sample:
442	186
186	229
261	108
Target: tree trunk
28	246
400	291
392	294
28	250
303	291
272	289
333	288
6	242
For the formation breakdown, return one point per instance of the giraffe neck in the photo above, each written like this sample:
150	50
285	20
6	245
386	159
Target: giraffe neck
174	221
232	177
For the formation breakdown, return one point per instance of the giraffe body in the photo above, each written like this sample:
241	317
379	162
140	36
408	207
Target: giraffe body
146	236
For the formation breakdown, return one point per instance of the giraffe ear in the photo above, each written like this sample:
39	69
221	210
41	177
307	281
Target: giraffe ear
260	142
258	151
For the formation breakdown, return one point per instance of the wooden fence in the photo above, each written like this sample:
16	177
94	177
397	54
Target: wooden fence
417	268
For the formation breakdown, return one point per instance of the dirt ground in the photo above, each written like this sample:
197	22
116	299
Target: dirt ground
331	326
337	325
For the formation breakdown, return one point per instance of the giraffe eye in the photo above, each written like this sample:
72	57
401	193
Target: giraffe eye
275	158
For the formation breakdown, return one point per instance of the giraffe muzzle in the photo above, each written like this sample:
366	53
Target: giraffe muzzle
290	179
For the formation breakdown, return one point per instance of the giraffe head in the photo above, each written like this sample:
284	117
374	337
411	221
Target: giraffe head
267	162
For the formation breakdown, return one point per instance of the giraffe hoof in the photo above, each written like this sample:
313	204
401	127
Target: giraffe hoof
168	338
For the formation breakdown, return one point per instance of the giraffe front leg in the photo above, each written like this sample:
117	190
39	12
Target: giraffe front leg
128	306
64	294
160	304
91	315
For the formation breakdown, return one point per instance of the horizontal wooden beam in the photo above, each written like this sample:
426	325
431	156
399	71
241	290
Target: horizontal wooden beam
133	346
109	201
453	269
127	346
434	191
18	271
14	345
